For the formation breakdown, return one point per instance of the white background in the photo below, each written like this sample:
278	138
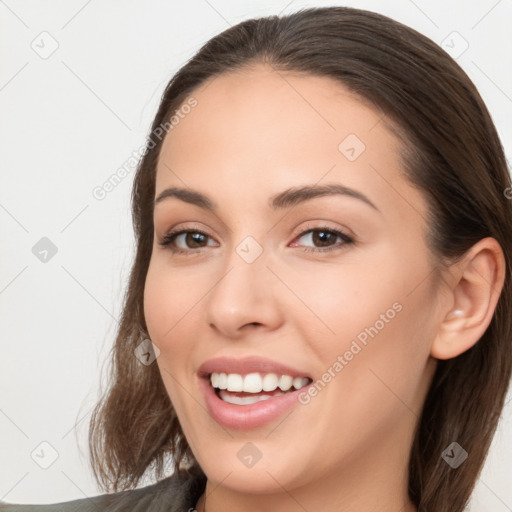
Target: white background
68	122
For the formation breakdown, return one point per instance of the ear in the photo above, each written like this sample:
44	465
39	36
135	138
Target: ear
475	290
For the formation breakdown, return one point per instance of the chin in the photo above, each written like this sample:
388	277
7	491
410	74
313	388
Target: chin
261	466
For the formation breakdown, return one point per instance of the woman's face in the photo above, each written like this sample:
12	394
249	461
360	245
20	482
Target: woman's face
276	284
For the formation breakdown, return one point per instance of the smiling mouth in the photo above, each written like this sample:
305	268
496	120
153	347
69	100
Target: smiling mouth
254	387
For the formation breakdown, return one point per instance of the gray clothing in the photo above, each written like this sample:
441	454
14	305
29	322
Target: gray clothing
176	493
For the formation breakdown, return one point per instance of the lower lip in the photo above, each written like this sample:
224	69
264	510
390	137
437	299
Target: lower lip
247	416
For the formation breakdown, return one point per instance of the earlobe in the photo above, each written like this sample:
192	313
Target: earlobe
475	295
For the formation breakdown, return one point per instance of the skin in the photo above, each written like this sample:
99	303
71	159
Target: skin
253	134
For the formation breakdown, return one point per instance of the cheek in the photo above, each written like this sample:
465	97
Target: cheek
379	313
167	313
340	300
169	302
170	317
382	330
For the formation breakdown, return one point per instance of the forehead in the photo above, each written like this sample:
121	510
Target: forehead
258	131
276	108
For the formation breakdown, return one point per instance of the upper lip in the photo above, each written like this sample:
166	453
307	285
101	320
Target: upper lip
247	365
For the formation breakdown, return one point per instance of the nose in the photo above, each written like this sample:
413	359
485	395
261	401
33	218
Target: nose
245	297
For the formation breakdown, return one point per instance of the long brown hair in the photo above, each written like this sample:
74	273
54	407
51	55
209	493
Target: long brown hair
453	155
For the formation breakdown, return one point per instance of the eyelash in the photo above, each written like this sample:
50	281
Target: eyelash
170	237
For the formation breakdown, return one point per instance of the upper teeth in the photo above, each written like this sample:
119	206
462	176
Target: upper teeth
256	382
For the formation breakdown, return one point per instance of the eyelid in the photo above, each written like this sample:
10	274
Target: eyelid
187	227
320	224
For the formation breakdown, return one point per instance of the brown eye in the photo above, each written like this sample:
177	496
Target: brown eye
192	239
324	238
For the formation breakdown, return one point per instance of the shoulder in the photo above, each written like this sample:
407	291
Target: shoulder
176	493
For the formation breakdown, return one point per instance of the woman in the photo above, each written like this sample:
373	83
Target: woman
323	270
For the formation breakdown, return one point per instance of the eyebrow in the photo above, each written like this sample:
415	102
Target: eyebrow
285	199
